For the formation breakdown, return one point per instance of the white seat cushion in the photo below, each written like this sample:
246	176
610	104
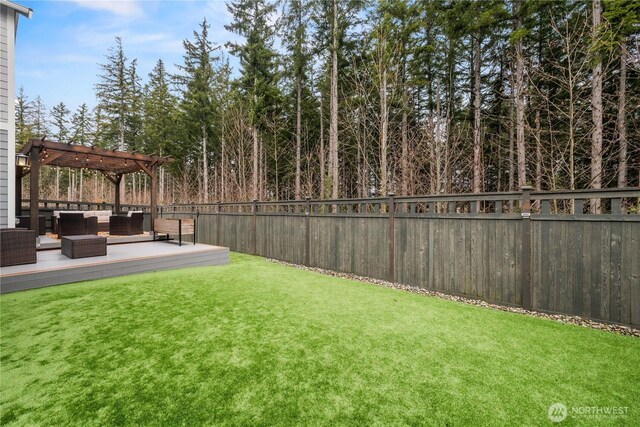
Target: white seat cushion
57	213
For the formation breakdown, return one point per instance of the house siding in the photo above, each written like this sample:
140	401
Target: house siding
5	126
4	65
4	179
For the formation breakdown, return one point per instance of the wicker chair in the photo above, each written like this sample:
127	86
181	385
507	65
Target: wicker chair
75	224
24	221
17	246
126	225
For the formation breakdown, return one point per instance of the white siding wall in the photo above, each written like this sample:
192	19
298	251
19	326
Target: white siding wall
7	124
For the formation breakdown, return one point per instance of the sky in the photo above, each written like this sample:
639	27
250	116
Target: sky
58	50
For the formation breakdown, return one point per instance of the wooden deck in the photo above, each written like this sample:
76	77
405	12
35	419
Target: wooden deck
53	268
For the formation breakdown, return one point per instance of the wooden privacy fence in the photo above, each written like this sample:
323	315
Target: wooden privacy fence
537	250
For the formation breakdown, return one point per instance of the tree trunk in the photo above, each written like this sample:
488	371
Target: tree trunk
322	153
298	135
205	166
477	140
121	147
621	123
596	115
520	142
223	159
437	142
359	156
512	128
384	128
538	151
333	122
405	141
254	187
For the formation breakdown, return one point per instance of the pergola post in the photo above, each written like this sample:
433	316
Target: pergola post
18	192
34	184
154	193
116	206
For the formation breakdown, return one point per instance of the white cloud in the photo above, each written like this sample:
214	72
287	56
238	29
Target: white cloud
124	8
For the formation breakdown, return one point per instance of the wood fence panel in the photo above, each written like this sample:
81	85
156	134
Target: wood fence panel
281	237
473	257
587	268
235	232
207	230
349	244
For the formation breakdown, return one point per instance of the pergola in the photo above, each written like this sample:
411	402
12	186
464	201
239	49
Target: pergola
113	164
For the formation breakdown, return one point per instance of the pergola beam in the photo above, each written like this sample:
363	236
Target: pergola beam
144	168
80	149
109	177
50	159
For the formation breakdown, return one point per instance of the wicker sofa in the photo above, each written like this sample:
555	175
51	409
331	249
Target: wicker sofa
102	218
17	246
75	224
126	225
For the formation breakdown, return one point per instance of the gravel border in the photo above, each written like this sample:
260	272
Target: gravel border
574	320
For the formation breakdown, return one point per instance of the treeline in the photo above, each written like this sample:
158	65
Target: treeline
362	98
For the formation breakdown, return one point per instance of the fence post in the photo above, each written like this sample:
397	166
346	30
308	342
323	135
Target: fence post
307	237
391	238
218	240
254	240
525	273
195	226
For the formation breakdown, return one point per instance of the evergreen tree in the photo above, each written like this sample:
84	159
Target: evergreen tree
24	112
115	96
39	121
159	112
81	134
257	81
198	103
61	133
160	118
60	121
81	126
295	17
133	118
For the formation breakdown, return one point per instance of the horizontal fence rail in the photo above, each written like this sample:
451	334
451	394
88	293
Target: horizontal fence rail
544	251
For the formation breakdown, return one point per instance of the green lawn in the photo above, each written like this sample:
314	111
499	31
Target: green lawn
256	343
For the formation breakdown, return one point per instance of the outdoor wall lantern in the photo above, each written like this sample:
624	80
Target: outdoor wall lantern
22	160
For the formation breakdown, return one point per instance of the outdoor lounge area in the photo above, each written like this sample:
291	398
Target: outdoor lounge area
93	243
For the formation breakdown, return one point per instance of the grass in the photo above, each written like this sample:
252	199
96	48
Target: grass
255	343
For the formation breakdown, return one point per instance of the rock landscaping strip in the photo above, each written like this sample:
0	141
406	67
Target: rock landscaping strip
575	320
